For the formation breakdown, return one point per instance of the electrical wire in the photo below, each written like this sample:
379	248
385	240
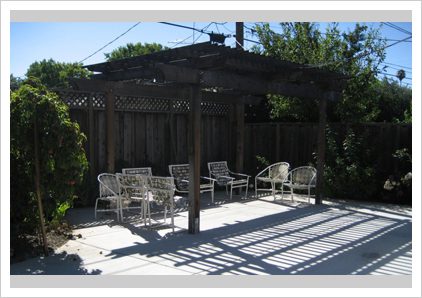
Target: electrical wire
391	25
109	43
393	75
396	68
405	67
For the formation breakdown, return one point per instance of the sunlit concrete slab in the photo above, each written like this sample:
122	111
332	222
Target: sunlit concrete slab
254	236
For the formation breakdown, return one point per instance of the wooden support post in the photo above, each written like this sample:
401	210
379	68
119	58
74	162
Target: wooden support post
37	184
321	150
91	142
194	148
110	130
240	136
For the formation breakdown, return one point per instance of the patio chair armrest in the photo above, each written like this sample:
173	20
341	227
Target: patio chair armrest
228	177
239	174
208	178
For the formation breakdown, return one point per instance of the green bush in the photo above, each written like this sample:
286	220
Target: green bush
398	186
62	158
349	172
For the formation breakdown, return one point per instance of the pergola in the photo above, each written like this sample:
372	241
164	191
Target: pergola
207	72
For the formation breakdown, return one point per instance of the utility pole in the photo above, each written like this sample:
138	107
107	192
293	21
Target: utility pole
239	35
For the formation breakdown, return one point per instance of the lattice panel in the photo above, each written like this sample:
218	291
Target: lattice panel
215	109
98	101
75	100
80	100
180	106
142	104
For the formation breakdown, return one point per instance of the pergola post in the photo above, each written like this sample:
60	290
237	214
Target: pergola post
321	150
194	150
240	136
91	140
110	130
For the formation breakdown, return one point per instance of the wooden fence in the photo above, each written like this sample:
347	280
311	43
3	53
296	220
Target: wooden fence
156	136
297	142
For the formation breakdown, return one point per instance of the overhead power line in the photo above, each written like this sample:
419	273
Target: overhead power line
396	68
399	41
404	67
109	43
393	75
182	26
391	25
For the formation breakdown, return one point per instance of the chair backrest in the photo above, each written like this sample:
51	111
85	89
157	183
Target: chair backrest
162	188
127	180
109	186
180	173
304	175
147	171
218	168
279	170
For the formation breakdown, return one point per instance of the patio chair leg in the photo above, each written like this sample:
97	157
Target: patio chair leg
231	192
212	196
309	195
291	192
246	191
165	214
95	210
121	210
172	216
282	191
256	189
273	189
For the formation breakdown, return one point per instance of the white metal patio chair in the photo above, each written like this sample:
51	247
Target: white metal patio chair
180	173
225	177
146	171
109	192
134	195
274	174
162	189
301	178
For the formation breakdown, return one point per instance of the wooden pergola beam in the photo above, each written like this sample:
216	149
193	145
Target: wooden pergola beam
170	92
209	78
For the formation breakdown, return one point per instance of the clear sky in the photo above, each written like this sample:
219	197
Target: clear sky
73	42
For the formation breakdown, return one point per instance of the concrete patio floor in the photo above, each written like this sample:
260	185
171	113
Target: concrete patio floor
240	237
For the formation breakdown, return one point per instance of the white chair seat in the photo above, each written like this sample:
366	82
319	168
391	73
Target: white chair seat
224	177
274	174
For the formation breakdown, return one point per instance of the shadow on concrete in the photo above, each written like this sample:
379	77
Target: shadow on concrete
61	263
311	239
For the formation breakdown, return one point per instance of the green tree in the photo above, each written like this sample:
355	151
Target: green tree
55	74
15	82
132	50
401	74
394	102
62	157
356	54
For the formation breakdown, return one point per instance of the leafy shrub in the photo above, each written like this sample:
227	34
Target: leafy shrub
398	186
61	157
348	171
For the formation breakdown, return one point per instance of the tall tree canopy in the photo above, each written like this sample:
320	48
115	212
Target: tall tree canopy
357	53
132	50
53	74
